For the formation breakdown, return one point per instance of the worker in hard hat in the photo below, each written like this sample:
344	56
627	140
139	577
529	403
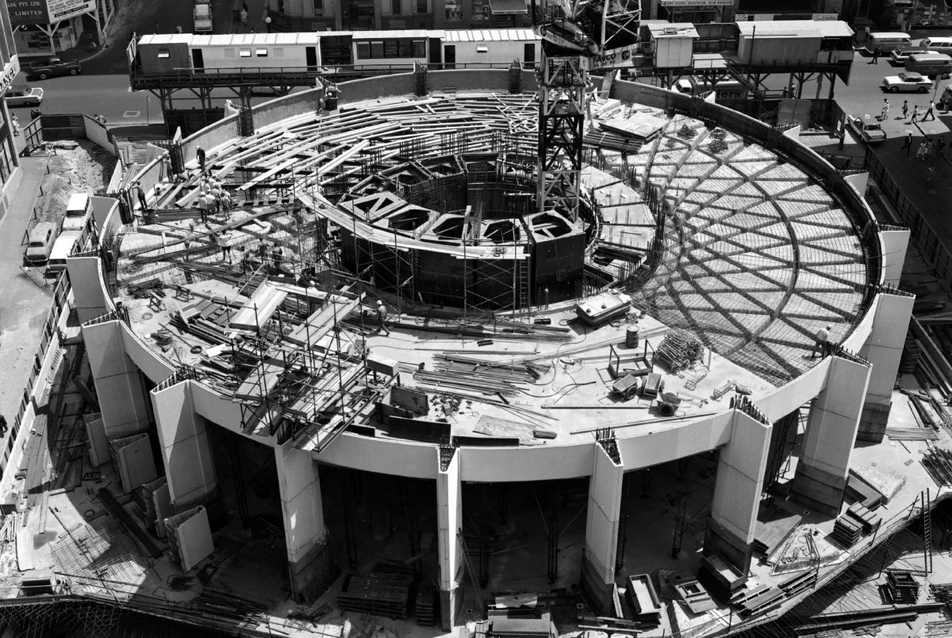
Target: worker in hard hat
382	318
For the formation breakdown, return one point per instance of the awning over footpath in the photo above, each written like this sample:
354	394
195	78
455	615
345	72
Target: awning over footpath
508	7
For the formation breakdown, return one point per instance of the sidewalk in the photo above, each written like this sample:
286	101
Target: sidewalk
25	304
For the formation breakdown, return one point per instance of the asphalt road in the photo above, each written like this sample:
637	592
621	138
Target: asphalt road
106	95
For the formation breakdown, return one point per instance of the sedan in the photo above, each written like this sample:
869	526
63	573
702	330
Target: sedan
24	96
41	244
866	129
907	81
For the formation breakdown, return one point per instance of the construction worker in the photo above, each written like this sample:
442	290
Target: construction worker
822	342
225	247
203	211
188	241
382	318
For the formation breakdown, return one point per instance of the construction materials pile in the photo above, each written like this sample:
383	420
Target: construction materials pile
476	375
377	593
678	350
938	464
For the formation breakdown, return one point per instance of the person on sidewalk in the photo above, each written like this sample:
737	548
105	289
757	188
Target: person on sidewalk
923	151
885	110
905	109
244	16
15	124
915	113
822	344
907	145
875	59
930	114
940	146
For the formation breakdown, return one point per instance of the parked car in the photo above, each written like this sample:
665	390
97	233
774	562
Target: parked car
63	247
24	96
907	81
866	128
202	15
79	208
40	244
52	68
900	54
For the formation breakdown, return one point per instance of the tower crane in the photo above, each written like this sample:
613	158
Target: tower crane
577	35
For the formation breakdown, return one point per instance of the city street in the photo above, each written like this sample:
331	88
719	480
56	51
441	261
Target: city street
106	95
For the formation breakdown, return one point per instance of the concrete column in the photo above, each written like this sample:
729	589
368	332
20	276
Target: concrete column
895	244
601	529
883	349
449	512
118	385
186	452
738	489
89	297
309	563
823	469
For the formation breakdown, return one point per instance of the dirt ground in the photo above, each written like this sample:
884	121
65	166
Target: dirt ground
77	166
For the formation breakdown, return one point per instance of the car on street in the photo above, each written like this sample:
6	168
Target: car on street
906	82
899	55
24	96
866	128
53	68
41	239
202	15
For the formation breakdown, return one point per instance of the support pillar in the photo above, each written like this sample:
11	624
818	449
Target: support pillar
88	291
895	244
449	511
601	529
738	489
119	388
823	468
186	451
883	349
310	567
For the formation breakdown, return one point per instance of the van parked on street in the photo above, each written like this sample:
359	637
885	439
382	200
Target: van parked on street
932	65
887	41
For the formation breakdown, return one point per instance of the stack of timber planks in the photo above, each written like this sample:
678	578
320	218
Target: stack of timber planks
377	593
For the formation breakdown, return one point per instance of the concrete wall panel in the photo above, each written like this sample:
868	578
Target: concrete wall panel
663	443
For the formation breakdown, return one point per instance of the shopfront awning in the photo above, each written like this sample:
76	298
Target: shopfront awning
508	7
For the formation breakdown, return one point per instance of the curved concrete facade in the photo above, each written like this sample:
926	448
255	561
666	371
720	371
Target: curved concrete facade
850	388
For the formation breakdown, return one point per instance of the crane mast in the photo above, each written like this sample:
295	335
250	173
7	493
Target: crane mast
573	34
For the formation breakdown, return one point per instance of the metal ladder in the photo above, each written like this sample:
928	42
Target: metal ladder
927	531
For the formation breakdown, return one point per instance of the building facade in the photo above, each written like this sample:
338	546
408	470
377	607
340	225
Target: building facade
9	166
43	28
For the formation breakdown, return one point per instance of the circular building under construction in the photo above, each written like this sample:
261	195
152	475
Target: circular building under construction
569	397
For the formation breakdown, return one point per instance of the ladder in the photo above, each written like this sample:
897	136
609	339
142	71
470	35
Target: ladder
471	572
927	531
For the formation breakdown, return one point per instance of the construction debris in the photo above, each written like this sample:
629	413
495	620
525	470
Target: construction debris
938	463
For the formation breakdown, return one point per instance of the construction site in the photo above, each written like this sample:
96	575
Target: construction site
484	352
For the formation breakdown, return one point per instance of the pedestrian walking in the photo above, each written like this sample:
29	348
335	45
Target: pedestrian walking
244	17
907	145
930	114
930	175
822	344
915	113
885	110
16	125
940	146
905	109
923	151
876	53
